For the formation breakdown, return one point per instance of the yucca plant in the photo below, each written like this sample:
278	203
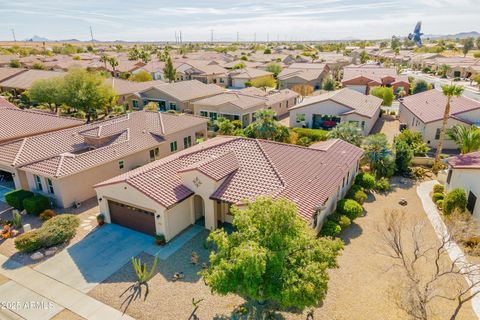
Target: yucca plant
141	270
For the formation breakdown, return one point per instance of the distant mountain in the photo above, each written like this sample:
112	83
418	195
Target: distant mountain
36	38
460	35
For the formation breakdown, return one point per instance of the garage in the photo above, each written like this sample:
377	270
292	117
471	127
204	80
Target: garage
131	217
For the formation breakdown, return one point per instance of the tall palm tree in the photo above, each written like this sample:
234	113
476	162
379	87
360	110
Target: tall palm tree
449	91
467	138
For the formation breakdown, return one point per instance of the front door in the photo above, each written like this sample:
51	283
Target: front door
472	200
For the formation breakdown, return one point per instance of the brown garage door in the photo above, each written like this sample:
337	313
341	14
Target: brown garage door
131	217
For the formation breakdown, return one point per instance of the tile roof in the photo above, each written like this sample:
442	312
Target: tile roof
25	79
69	151
306	74
249	73
7	73
430	105
365	105
19	123
236	98
189	90
124	87
465	161
306	176
372	72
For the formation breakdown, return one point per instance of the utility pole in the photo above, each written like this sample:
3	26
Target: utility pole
176	37
237	37
91	34
211	35
13	33
181	40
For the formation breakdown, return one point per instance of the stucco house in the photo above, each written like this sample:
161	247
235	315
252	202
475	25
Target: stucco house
178	96
200	185
326	110
303	73
23	80
65	164
464	172
203	71
240	77
364	77
125	88
242	104
423	112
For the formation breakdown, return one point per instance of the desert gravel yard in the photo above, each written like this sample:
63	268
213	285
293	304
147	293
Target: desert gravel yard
359	289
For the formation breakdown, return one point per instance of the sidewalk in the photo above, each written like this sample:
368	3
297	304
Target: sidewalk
454	251
57	292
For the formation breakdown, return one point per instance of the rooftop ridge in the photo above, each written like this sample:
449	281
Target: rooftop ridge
24	141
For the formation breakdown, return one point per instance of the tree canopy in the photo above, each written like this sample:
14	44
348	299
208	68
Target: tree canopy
169	71
141	76
274	68
272	255
346	131
264	83
384	93
266	127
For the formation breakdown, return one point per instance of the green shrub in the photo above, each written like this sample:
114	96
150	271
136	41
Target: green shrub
382	185
438	188
455	200
36	204
437	196
28	242
350	208
59	229
312	134
365	180
344	222
356	193
439	204
15	198
330	229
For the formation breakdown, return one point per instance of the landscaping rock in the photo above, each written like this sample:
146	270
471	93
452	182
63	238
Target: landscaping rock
51	251
27	227
37	256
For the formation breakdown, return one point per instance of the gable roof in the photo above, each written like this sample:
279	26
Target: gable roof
69	151
7	73
19	123
24	80
236	98
465	161
249	73
188	90
429	106
365	105
372	72
250	168
124	87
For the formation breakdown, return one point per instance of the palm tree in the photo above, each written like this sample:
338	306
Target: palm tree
347	131
449	91
113	63
467	138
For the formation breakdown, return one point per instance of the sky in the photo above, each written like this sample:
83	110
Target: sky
300	20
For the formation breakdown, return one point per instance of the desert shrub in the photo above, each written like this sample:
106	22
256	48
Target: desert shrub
439	203
36	204
59	229
455	200
28	242
365	180
15	198
438	188
382	185
304	141
418	173
312	134
350	208
437	196
47	214
356	193
330	229
344	221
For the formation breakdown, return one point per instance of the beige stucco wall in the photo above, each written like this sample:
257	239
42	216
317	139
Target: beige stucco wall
281	107
468	180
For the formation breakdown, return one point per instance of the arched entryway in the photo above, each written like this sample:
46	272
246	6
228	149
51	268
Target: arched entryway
199	209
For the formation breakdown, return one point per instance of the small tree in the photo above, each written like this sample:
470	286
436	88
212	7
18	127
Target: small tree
379	155
113	62
272	254
240	65
384	93
274	68
264	83
455	200
467	46
329	84
141	76
403	157
420	86
266	127
347	131
303	89
169	71
151	106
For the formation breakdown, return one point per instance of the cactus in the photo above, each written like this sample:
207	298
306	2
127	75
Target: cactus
141	270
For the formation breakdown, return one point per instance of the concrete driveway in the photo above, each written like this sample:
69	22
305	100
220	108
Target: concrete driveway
87	263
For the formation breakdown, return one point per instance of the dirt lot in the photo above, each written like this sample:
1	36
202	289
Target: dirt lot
359	289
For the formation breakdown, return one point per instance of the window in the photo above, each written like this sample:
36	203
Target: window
287	104
204	113
343	182
449	176
38	183
135	104
413	121
213	116
437	134
222	81
363	125
154	154
121	164
300	117
187	142
173	146
50	186
173	106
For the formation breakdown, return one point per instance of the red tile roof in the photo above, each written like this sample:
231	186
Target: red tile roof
465	161
67	151
19	123
430	105
306	176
